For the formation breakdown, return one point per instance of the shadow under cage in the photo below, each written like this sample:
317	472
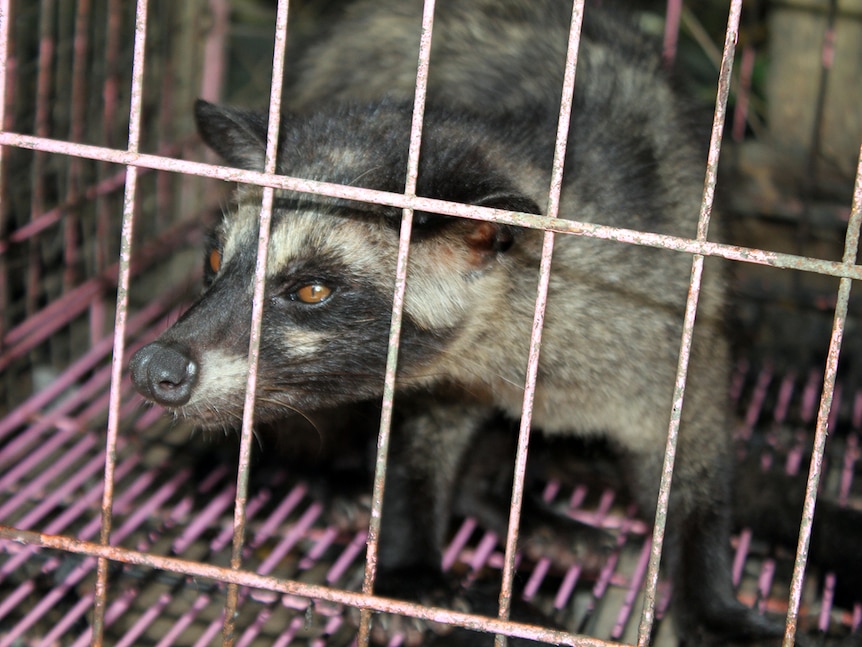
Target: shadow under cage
118	524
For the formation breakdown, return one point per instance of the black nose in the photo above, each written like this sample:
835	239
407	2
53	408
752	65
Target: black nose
163	374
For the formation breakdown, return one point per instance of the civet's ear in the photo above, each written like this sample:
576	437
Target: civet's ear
463	171
484	238
491	237
239	136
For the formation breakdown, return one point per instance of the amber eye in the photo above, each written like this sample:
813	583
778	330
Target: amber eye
214	259
313	293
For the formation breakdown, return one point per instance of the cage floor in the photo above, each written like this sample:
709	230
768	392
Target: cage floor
174	496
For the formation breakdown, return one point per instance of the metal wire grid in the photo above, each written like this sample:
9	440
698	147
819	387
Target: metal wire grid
137	162
60	233
168	505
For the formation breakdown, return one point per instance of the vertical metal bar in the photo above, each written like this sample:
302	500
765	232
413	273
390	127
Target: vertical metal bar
110	90
135	107
851	247
41	128
673	16
9	71
229	627
554	192
168	79
6	73
397	312
215	48
110	93
731	35
812	165
76	134
743	93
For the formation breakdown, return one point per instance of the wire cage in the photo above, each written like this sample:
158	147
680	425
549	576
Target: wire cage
118	525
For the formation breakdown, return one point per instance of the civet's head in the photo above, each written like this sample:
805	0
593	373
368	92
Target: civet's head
331	266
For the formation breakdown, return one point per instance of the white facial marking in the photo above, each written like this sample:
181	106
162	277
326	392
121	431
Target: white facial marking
221	377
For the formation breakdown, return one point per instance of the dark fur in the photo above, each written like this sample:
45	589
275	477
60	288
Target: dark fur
614	323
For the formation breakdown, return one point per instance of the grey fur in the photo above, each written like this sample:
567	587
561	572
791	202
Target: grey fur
614	322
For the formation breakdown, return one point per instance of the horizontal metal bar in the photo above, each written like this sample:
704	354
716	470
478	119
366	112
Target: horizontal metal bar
562	226
54	215
247	578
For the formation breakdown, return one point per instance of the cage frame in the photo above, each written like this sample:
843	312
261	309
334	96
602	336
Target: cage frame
698	248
